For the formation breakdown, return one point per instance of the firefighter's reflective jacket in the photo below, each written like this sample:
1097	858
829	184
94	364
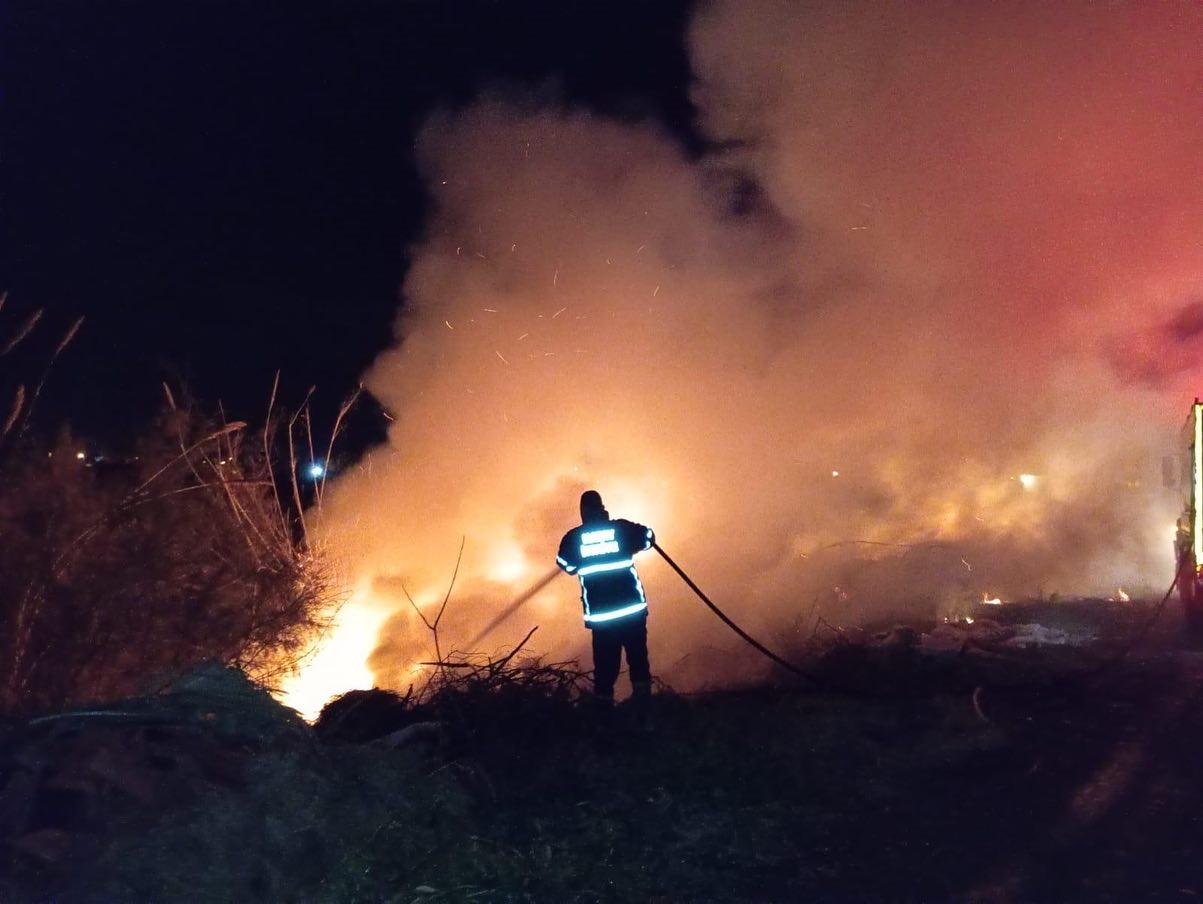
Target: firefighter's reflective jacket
600	554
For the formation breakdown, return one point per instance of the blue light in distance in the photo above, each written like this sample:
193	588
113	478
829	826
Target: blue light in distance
317	471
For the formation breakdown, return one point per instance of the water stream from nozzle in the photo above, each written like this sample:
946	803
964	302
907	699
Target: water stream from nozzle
513	607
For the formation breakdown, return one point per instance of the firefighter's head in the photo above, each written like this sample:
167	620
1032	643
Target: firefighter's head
592	508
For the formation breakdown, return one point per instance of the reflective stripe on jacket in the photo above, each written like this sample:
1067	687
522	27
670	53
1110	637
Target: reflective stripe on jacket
601	555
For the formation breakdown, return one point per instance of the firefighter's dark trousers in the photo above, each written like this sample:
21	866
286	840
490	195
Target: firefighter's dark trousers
609	640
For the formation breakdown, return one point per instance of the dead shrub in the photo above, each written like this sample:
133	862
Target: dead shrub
112	577
115	575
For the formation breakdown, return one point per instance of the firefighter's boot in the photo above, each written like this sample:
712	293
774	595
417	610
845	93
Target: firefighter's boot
641	705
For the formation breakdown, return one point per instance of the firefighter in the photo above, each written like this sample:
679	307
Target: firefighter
600	552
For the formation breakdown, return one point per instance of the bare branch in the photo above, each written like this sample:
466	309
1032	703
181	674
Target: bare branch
521	644
346	406
458	559
292	462
267	453
417	610
228	428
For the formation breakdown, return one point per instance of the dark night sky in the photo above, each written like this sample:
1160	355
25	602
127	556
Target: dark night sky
225	189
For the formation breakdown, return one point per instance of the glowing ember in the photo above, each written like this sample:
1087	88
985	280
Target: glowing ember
1028	481
991	600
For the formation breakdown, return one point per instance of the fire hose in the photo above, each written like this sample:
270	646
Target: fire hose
748	638
530	592
535	588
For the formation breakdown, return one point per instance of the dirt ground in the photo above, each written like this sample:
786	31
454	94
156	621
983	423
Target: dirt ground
1100	792
1043	775
1078	782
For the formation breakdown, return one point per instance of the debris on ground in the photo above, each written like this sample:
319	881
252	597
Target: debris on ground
987	636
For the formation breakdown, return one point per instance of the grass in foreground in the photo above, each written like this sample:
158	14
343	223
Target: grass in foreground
766	794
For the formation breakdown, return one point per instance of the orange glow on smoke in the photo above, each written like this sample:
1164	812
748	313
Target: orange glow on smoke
508	564
495	559
996	372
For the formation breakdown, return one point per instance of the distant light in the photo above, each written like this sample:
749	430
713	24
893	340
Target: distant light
80	456
835	473
1028	481
317	471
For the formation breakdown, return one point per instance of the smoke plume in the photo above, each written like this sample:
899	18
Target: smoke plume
934	247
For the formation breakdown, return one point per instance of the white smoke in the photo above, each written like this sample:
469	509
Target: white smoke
928	235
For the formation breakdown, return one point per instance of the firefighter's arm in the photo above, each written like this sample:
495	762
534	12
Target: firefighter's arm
567	557
638	536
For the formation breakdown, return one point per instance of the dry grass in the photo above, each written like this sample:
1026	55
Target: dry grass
118	577
108	580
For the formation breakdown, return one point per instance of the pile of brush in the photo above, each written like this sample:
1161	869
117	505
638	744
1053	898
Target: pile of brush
466	697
